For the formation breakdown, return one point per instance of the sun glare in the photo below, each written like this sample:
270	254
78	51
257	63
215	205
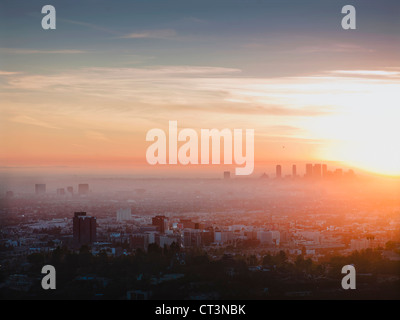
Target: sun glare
365	131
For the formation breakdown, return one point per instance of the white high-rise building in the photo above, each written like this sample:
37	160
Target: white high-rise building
276	237
124	214
265	237
269	237
359	244
223	236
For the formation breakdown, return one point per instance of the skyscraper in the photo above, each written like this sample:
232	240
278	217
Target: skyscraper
309	170
124	214
40	188
191	238
161	222
294	171
278	171
84	229
139	241
317	171
324	170
83	189
227	174
338	173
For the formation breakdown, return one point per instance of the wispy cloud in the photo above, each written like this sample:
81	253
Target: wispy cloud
95	135
114	107
24	119
333	48
144	34
151	34
249	109
182	88
89	25
8	73
156	93
34	51
367	73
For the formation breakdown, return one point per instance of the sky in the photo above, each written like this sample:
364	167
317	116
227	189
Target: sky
85	95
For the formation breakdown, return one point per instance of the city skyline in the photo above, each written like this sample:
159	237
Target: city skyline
145	239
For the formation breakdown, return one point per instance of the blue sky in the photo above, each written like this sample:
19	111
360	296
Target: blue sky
261	37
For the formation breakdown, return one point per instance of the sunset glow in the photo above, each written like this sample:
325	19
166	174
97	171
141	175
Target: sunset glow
89	104
353	119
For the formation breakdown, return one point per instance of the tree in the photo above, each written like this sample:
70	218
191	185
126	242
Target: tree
282	257
253	261
391	245
154	248
267	259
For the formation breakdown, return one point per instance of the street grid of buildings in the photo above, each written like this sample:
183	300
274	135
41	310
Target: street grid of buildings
311	217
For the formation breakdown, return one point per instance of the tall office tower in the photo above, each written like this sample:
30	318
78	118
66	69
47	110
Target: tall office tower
207	237
83	189
139	241
124	214
84	229
309	170
338	173
227	174
317	171
187	223
161	222
70	190
278	171
60	191
350	173
40	188
324	170
191	238
294	171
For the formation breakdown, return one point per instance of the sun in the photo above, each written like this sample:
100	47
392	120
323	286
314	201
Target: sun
372	155
363	129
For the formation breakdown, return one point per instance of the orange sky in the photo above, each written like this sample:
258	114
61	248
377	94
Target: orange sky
98	116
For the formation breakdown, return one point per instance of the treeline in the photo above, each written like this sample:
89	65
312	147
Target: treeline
81	275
